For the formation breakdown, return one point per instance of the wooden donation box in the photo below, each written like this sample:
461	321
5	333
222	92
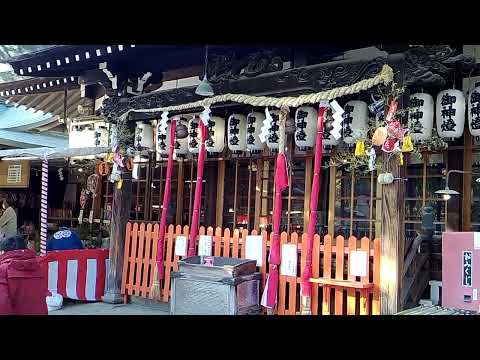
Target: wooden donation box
461	270
14	174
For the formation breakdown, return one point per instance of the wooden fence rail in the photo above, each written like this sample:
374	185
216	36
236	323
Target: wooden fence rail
330	265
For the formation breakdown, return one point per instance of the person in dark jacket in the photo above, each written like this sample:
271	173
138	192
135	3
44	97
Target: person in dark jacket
64	239
22	285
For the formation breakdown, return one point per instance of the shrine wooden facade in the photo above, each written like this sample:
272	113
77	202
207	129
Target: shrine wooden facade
238	189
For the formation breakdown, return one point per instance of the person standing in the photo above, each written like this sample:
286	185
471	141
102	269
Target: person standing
8	220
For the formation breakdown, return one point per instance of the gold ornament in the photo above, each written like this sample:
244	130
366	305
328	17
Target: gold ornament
119	184
359	148
379	136
401	159
407	145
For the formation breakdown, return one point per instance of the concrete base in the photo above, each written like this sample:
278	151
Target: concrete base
113	298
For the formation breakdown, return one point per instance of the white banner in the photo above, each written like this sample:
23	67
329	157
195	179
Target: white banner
288	266
180	245
205	245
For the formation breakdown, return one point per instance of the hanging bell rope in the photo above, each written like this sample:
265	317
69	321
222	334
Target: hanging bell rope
384	77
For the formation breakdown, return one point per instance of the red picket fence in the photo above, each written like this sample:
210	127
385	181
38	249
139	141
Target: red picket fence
334	292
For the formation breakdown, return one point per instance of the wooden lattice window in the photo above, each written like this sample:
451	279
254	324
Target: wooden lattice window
424	176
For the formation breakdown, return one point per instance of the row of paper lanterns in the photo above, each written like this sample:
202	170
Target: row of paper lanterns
243	130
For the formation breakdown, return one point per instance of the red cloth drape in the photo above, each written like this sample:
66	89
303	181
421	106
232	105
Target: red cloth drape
166	200
281	183
312	220
198	191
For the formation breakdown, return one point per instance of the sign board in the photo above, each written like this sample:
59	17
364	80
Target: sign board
288	267
181	245
476	241
208	260
14	174
205	245
358	263
254	248
467	269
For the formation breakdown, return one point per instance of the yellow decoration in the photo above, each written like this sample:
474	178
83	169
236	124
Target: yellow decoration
401	159
119	184
407	144
110	158
359	148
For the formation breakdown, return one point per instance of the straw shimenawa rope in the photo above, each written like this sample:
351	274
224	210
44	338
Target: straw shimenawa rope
384	77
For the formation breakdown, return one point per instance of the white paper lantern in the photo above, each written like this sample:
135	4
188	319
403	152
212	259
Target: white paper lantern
329	140
74	137
163	142
273	132
138	161
237	133
474	111
215	142
101	135
355	120
450	113
306	127
254	125
81	136
420	117
193	135
144	136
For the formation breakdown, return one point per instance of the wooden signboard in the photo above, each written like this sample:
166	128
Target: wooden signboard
14	174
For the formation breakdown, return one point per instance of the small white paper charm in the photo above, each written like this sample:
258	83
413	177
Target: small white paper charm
80	217
90	217
267	123
163	123
180	245
205	245
254	248
336	107
476	240
371	159
205	115
288	266
358	263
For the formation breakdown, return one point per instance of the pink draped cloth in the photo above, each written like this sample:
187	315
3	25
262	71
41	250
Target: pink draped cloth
166	200
281	183
312	220
198	190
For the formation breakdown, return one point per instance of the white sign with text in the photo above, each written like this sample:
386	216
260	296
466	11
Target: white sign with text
253	248
205	245
288	266
358	263
181	245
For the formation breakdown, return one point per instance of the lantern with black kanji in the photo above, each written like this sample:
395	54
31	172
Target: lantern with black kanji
101	135
450	113
306	127
143	136
193	135
181	145
474	111
254	125
274	130
355	120
215	142
163	142
420	117
237	133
